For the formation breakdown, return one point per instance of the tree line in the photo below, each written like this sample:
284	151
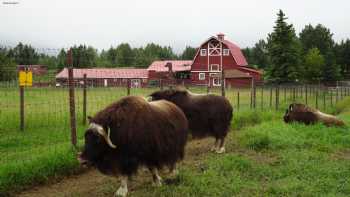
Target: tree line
85	56
312	56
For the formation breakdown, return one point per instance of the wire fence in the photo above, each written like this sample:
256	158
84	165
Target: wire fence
39	124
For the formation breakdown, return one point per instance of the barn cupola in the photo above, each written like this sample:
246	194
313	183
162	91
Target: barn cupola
221	36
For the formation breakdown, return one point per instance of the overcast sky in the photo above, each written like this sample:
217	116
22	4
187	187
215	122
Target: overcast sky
102	23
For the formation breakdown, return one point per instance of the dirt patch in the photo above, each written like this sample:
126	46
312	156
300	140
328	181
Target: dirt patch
93	183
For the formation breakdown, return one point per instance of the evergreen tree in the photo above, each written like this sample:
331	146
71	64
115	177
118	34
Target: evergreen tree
188	53
284	52
314	62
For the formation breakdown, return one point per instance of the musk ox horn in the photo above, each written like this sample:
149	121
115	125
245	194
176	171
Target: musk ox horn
103	133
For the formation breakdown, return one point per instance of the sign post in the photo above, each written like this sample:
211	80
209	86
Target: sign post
25	79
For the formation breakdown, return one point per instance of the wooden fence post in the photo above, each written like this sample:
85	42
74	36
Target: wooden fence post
306	94
331	97
277	96
293	93
252	94
223	83
262	97
238	100
161	84
270	97
128	87
21	106
324	98
337	95
72	104
84	100
316	99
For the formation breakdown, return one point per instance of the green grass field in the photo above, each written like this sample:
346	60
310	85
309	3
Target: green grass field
43	149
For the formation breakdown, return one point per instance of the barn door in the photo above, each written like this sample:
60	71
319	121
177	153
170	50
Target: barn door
135	83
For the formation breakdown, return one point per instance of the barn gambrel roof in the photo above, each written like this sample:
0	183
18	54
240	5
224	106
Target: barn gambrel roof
235	51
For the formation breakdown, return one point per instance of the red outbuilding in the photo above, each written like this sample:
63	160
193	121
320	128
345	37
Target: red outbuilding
217	54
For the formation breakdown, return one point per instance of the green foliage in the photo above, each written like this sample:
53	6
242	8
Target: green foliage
284	52
83	56
24	54
257	55
342	53
313	64
7	66
316	37
188	53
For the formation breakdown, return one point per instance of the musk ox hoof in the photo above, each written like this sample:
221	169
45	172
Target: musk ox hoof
174	172
122	191
157	183
213	149
221	150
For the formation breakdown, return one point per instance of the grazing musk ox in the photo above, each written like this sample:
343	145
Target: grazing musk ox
301	113
133	132
208	115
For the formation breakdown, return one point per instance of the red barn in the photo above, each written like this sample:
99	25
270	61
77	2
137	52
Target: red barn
217	54
106	77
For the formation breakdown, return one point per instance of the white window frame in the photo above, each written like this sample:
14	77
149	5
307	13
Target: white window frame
203	52
211	67
219	81
226	52
201	76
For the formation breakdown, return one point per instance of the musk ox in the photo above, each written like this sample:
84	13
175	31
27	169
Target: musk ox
131	133
208	115
301	113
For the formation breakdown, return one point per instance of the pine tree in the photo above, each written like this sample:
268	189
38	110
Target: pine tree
284	52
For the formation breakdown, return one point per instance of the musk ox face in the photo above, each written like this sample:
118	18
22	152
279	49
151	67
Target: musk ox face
286	117
97	142
170	95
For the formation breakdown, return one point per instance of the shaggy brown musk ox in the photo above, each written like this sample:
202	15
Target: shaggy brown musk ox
208	115
133	132
301	113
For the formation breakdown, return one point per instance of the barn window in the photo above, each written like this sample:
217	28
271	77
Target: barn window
226	52
203	52
216	81
214	67
201	76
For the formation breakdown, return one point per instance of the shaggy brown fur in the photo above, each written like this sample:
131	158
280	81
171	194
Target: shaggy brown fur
302	113
152	134
208	115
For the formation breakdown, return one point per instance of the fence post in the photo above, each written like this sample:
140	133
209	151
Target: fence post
316	99
72	102
262	97
337	95
252	94
270	97
238	100
293	93
128	87
324	98
277	96
161	84
306	94
84	100
21	95
223	83
331	97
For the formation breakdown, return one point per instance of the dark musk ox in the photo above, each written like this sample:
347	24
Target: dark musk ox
208	115
133	132
301	113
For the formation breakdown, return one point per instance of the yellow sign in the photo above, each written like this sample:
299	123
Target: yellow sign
25	78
